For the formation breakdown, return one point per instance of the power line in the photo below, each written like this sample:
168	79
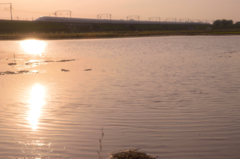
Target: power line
26	11
10	7
154	18
170	19
56	12
132	17
99	16
184	20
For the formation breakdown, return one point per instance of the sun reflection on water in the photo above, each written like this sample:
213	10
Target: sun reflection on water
33	46
36	102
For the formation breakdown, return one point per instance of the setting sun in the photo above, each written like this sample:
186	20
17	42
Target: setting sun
33	46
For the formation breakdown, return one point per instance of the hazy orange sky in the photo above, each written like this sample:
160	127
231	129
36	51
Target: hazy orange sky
120	9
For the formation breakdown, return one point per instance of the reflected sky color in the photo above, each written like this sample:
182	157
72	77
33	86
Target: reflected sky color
36	102
174	94
33	46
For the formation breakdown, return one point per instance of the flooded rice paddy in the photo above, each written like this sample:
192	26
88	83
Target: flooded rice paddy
171	97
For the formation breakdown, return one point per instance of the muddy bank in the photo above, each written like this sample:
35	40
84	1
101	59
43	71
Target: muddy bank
18	72
115	34
131	154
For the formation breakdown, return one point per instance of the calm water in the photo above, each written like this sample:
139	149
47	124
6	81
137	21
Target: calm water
172	97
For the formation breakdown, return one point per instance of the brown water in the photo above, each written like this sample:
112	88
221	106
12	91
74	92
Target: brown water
172	97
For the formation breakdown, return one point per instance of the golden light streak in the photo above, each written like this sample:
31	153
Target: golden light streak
36	102
33	46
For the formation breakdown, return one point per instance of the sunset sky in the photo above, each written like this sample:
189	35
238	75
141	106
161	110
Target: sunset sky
120	9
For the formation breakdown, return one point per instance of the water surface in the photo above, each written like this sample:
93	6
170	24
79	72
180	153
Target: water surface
172	97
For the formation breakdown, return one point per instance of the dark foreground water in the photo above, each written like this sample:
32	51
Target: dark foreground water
172	97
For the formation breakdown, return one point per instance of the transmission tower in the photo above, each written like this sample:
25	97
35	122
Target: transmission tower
172	19
56	12
154	19
10	7
132	17
107	15
184	20
204	21
194	20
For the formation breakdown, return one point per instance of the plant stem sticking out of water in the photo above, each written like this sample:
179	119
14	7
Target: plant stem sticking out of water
100	142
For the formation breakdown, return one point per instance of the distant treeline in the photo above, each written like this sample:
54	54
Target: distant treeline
228	24
9	27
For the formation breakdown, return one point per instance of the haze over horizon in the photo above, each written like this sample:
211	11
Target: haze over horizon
192	9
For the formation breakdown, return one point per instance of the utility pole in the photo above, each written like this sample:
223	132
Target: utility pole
10	8
152	18
195	21
133	16
175	19
63	11
184	20
99	16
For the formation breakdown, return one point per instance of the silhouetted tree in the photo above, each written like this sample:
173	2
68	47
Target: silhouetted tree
237	23
222	23
217	23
